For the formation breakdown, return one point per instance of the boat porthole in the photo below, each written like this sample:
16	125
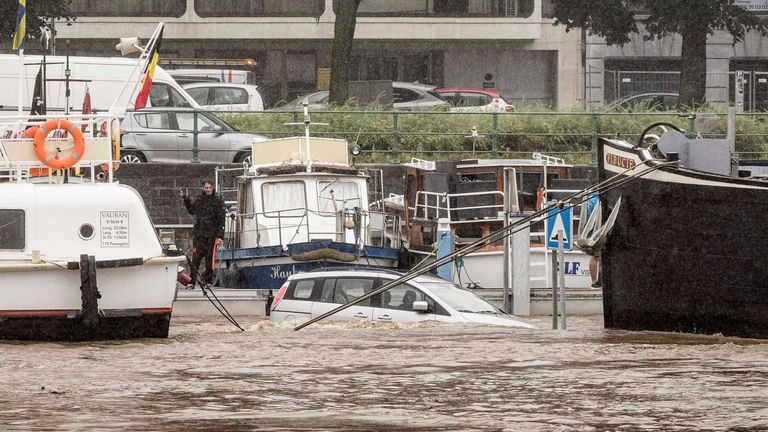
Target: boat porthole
86	231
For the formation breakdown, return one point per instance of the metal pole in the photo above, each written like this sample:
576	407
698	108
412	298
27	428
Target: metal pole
595	128
561	256
495	136
554	291
731	138
195	149
507	271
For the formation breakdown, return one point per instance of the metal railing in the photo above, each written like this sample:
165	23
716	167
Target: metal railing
393	136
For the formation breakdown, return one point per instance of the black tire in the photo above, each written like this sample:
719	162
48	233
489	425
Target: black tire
132	156
243	156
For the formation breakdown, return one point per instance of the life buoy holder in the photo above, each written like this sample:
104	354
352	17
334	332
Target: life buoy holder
115	139
55	162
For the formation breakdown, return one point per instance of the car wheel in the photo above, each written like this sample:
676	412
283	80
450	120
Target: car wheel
243	157
131	156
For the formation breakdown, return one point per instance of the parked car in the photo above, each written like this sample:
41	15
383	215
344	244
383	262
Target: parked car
405	97
426	298
471	99
188	76
655	101
226	96
165	135
272	91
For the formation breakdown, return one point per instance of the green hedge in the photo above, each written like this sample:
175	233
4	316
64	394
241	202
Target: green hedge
432	135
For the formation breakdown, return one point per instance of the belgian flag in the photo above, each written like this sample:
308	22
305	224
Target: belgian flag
149	71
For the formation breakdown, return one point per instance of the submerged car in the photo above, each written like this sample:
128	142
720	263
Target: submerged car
425	298
166	135
405	97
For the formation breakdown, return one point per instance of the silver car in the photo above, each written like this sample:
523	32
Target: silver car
405	97
425	298
166	135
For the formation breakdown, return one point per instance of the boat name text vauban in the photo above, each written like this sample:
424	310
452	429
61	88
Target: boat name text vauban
619	161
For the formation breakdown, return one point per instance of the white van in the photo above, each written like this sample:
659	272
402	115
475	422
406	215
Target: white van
188	76
107	75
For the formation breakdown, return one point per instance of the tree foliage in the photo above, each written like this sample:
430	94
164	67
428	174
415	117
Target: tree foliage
693	20
39	13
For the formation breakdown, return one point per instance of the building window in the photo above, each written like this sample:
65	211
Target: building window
256	8
128	8
447	8
11	229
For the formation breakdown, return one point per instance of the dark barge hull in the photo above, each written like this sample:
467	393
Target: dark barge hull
687	252
74	329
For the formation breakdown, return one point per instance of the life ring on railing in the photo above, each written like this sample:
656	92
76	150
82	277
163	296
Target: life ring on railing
74	155
35	172
540	198
115	138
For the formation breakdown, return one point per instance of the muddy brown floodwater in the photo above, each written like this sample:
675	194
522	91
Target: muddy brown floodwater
425	377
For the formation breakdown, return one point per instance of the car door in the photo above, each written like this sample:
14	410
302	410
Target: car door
212	142
341	290
396	305
155	136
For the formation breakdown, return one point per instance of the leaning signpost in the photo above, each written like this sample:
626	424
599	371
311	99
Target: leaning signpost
559	235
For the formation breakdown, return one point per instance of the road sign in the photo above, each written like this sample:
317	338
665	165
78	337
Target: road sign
558	220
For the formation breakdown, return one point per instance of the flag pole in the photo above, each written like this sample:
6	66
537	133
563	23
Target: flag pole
21	84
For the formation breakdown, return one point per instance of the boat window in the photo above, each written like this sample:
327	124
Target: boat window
345	194
345	290
11	229
283	199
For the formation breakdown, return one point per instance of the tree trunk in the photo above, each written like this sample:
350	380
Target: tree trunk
341	50
693	76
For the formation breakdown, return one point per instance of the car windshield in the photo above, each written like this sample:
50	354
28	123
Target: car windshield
460	299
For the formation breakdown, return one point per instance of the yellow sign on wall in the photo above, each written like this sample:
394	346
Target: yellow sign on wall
323	78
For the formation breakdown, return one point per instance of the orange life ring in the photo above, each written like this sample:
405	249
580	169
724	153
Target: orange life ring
35	172
74	155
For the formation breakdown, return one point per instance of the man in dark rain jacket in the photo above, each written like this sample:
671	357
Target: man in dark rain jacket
208	209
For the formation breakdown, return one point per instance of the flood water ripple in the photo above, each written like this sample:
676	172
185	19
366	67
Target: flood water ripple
424	377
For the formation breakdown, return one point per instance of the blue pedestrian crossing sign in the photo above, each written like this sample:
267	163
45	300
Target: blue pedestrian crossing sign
560	220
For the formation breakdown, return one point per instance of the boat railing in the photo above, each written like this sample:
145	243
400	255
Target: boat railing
20	163
302	225
435	205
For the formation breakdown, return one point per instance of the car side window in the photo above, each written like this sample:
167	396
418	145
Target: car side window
473	100
404	95
401	297
344	290
186	121
153	120
302	290
199	94
229	96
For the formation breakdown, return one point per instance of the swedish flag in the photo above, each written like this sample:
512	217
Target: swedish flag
21	25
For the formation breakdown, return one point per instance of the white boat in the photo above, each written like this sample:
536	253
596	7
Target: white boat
302	206
468	198
79	257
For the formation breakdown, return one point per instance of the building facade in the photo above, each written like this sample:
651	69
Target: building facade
643	66
449	43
